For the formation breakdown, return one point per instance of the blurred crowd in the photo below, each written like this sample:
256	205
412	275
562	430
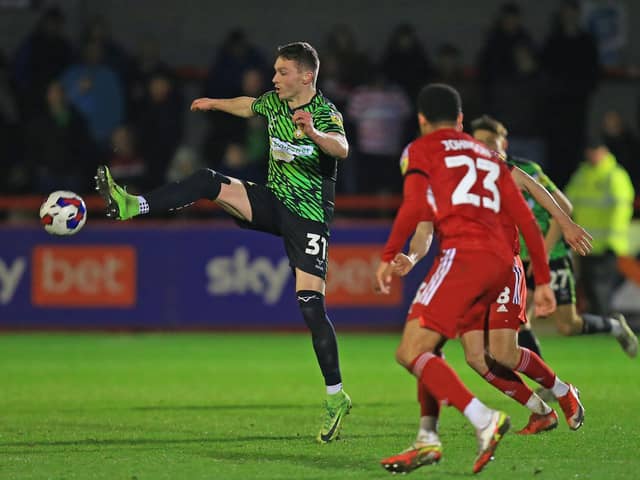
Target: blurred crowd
66	107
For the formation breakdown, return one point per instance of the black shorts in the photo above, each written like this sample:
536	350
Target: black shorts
563	280
305	241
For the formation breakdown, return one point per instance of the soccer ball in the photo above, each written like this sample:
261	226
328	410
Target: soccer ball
63	213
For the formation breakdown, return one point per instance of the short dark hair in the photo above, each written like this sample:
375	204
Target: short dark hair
302	53
439	102
486	122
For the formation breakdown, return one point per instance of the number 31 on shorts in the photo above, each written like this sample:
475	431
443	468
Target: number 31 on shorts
313	245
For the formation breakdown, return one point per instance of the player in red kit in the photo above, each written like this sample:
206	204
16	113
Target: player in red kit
469	188
509	313
506	315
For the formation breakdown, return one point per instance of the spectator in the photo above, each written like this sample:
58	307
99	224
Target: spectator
602	197
40	58
331	82
236	163
12	174
114	54
352	65
184	162
95	90
498	59
518	100
59	148
449	70
623	143
405	61
160	125
249	133
126	163
570	59
144	65
255	136
232	60
380	112
225	78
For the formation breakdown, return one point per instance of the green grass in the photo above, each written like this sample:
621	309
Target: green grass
249	406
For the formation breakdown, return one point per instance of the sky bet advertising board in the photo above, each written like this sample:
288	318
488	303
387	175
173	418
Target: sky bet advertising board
193	276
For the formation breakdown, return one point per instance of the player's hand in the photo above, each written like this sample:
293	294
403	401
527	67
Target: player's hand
544	300
382	283
577	237
304	122
402	264
202	104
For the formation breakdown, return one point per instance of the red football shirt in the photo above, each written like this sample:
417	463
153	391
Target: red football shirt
468	188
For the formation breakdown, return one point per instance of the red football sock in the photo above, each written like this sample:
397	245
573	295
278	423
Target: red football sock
534	367
429	405
509	383
441	380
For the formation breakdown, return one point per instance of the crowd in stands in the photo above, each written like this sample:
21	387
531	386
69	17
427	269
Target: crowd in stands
66	107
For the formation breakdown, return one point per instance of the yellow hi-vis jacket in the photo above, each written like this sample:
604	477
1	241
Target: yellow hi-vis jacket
602	197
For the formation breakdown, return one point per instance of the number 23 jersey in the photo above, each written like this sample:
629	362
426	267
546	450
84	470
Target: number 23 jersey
469	188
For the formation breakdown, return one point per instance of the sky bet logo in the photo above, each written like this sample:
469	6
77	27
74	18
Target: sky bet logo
83	276
351	268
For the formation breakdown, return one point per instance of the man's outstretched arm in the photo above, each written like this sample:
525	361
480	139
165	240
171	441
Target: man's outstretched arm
238	106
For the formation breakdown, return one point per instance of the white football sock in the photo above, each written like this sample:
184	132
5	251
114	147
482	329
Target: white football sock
143	205
428	431
559	389
478	414
616	328
536	405
333	389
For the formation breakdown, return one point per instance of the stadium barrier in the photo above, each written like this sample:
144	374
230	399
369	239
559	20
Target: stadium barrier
185	275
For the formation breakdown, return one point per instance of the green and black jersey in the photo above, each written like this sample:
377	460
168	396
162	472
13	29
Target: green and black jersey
543	217
301	175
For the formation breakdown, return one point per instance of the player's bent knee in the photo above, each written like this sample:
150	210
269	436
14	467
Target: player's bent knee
569	326
509	357
565	329
411	346
404	356
208	182
477	362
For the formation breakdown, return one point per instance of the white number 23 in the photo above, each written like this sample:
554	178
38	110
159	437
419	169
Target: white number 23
462	194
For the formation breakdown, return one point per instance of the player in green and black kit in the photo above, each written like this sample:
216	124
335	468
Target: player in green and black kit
568	320
306	138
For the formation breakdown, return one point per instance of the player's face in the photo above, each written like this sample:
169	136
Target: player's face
491	140
595	155
289	79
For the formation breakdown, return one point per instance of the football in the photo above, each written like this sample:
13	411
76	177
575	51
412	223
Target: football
63	213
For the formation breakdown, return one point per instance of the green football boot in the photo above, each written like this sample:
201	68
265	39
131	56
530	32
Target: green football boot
337	407
120	204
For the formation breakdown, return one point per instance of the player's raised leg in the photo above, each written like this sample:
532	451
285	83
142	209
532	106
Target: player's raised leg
506	315
542	418
205	183
310	293
525	361
570	322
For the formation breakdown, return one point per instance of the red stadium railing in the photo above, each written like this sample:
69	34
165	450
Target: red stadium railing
351	203
356	203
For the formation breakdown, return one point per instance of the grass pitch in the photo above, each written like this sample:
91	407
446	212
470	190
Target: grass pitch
198	406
